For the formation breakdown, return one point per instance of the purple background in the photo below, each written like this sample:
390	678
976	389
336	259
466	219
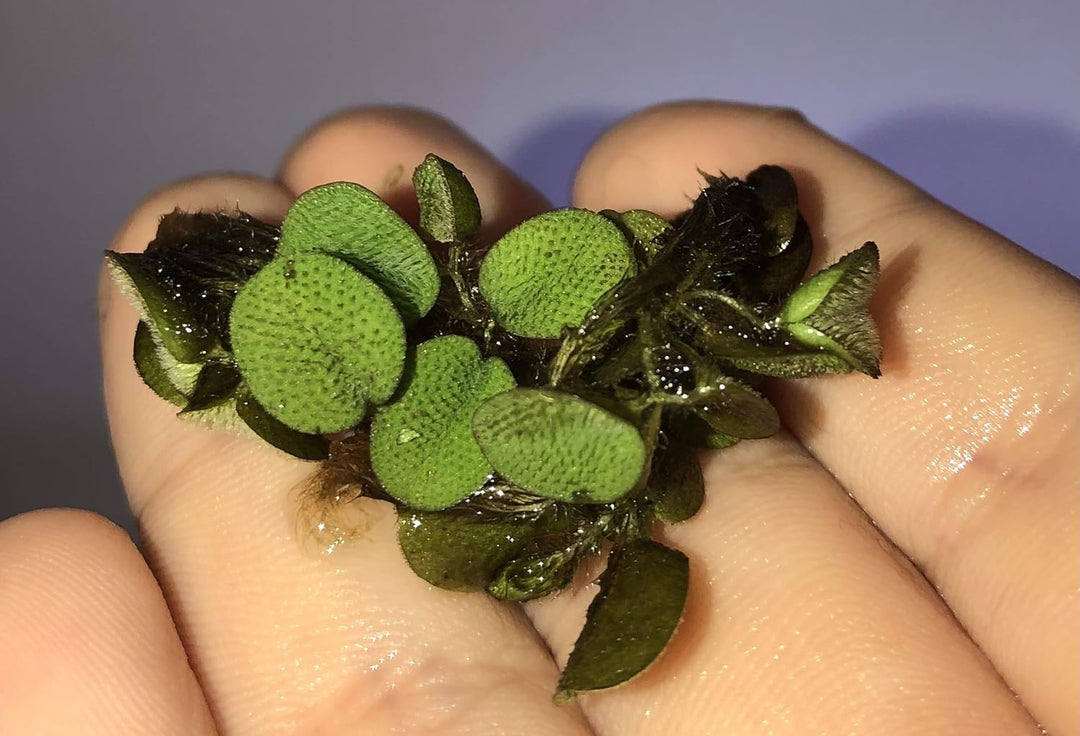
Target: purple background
978	102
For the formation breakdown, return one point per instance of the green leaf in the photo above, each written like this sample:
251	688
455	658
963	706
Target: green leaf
172	324
184	283
643	227
547	272
543	567
422	447
316	342
449	209
778	195
216	385
559	446
297	444
459	551
351	222
676	486
781	273
830	312
148	363
688	428
629	623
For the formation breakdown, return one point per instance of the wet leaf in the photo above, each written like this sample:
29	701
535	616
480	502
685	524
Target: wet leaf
781	273
351	222
297	444
545	274
459	551
676	486
449	210
777	193
216	385
544	566
184	283
643	227
149	364
559	446
316	342
831	311
631	620
422	446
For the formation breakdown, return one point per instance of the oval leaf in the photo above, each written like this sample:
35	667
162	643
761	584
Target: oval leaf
459	551
547	272
639	606
259	421
778	195
544	566
422	447
449	210
559	446
676	485
351	222
151	367
643	227
316	341
216	385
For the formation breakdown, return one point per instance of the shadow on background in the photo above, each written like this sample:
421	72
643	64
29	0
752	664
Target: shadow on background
1020	176
549	155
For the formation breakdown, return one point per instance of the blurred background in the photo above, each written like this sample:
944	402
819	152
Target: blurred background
978	101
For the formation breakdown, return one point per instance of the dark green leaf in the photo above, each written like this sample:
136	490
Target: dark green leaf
830	312
449	210
317	342
297	444
688	428
184	284
676	486
460	551
781	273
149	365
642	227
351	222
559	446
216	384
779	198
629	623
543	567
422	446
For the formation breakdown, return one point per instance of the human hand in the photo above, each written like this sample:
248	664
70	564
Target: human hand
802	618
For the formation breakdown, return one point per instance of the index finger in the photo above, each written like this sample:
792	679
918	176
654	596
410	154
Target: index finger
965	451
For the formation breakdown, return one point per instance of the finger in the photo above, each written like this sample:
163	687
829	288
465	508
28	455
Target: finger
283	640
800	619
965	451
87	645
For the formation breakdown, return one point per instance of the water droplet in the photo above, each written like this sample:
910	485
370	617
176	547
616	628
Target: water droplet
407	435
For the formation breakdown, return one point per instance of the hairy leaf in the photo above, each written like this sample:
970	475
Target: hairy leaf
216	385
449	210
184	283
642	227
151	368
351	222
422	446
316	342
286	439
676	486
559	446
459	551
545	274
629	623
831	310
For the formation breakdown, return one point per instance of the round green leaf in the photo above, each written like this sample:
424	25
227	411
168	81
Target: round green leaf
676	485
559	446
547	272
449	210
422	447
351	222
316	341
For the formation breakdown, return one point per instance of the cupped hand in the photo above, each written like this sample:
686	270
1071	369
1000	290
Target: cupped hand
902	559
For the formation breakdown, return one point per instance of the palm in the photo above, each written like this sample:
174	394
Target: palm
803	617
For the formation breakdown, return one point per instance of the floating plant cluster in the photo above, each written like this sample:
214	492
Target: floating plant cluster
523	404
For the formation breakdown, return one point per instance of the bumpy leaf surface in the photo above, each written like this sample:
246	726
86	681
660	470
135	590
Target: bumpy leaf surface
422	446
546	273
449	210
351	222
559	446
316	341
